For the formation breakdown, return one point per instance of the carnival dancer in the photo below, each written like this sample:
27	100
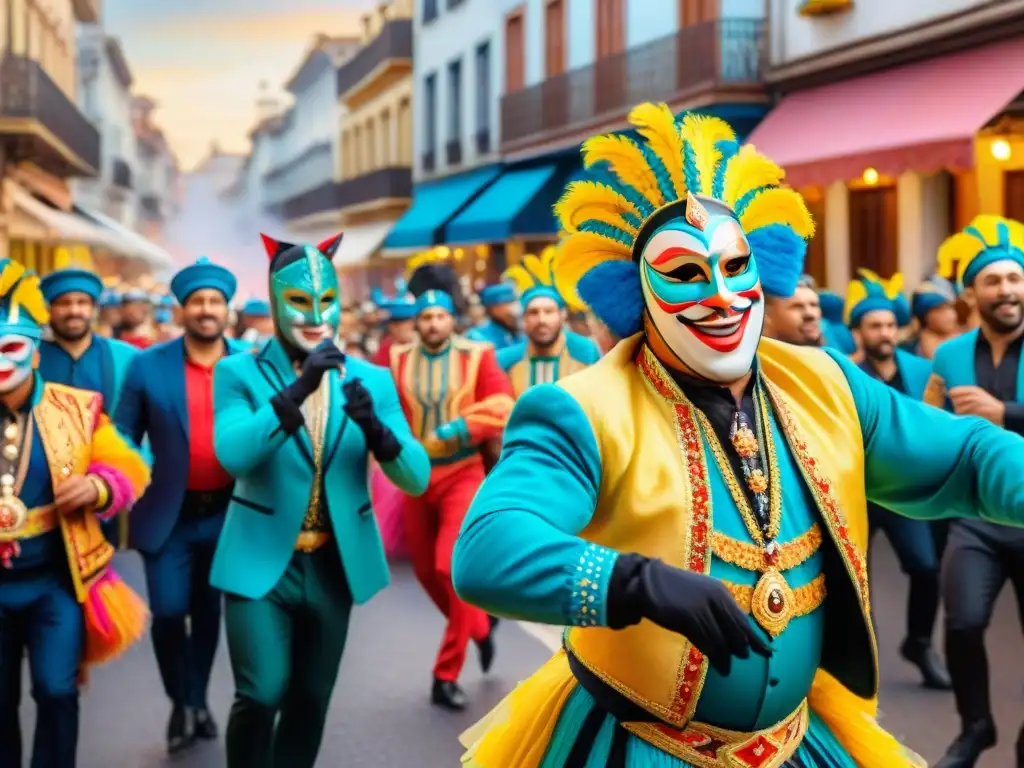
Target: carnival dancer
109	317
795	319
875	311
501	328
456	398
550	352
694	503
168	398
934	308
399	325
295	425
136	316
981	374
64	468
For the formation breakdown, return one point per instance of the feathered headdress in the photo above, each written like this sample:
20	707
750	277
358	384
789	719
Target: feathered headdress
436	285
869	292
984	241
636	185
433	256
535	277
934	292
22	307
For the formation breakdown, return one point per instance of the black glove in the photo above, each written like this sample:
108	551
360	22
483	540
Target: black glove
287	402
691	604
359	407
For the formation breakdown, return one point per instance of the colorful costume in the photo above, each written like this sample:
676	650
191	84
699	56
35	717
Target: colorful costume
834	331
522	361
708	553
492	331
59	597
980	555
914	541
300	544
455	398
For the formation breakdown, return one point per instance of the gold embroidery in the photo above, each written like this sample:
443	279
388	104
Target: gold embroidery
750	557
798	602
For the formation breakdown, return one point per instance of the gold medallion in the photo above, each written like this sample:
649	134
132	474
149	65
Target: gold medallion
772	603
13	518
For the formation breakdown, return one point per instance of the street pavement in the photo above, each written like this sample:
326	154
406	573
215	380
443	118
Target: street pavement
381	718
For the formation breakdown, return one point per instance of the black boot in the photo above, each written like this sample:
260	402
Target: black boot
486	646
922	655
206	726
181	730
965	751
1020	748
448	695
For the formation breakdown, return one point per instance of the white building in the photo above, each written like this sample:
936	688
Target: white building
157	176
897	123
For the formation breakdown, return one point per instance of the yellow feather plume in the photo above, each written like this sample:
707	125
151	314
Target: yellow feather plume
585	200
578	254
778	206
28	297
657	124
891	287
703	132
746	171
11	274
855	294
959	250
627	161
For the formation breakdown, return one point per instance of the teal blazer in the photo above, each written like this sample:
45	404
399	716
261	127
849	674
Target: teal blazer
915	372
274	472
954	363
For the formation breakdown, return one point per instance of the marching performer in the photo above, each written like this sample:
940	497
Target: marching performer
501	328
399	325
550	351
981	374
456	399
295	425
136	316
64	468
875	311
934	308
694	503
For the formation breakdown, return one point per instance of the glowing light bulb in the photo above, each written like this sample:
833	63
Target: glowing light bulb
870	176
1000	149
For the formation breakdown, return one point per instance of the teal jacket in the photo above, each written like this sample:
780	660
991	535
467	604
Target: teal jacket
492	333
274	472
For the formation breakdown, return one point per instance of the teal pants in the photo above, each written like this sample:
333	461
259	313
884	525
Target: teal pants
285	652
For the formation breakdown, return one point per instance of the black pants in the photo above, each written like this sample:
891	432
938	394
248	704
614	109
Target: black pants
980	558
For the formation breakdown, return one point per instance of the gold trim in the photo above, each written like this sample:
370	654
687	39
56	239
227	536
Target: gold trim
40	520
796	602
751	557
311	541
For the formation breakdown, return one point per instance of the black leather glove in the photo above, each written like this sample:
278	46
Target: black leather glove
359	407
691	604
287	402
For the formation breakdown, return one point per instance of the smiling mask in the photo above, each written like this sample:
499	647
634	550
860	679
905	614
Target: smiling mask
680	232
22	317
304	293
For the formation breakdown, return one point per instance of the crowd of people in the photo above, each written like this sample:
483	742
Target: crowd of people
658	434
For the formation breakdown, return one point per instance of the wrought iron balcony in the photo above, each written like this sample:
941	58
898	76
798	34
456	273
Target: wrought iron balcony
382	184
718	56
42	123
122	174
394	43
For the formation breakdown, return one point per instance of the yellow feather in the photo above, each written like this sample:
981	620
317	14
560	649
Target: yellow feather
28	296
517	275
703	132
10	275
748	170
778	206
627	161
580	253
956	252
588	200
855	294
533	265
657	124
894	286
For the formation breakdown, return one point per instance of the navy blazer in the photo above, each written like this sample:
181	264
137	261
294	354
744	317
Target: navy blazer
152	404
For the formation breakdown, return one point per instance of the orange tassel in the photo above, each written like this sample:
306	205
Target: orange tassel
115	619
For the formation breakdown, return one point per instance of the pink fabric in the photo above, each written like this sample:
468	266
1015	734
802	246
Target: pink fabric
94	598
903	118
387	505
122	496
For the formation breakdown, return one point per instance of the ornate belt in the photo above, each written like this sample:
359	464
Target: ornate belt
33	522
311	541
705	746
774	604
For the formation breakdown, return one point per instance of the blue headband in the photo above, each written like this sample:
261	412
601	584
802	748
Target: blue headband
64	281
256	308
991	256
399	310
432	298
203	274
541	291
493	295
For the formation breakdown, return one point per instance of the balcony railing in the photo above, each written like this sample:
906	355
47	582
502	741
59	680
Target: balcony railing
28	92
122	174
393	42
335	195
717	54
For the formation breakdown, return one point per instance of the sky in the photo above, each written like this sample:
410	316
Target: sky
202	60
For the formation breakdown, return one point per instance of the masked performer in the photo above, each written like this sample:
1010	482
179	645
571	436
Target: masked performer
295	425
694	503
456	398
981	374
550	351
501	328
64	469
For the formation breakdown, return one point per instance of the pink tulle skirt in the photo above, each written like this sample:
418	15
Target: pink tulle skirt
387	505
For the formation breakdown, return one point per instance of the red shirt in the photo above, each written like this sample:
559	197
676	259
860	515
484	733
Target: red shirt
383	355
140	342
204	471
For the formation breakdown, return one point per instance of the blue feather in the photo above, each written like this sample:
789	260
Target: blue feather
632	219
747	199
690	172
602	173
613	293
779	254
832	306
668	189
607	230
729	149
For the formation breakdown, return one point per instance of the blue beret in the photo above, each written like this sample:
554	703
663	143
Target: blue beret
432	298
163	315
493	295
71	280
256	308
400	309
203	274
110	298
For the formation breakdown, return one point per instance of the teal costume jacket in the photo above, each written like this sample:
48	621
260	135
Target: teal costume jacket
954	363
274	472
492	333
101	368
915	372
579	348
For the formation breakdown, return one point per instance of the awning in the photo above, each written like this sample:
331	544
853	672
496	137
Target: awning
919	117
61	226
433	205
142	248
360	242
519	203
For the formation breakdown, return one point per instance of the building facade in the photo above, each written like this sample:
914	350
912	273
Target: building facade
899	122
158	181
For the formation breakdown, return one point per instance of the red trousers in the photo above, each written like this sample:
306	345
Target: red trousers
432	524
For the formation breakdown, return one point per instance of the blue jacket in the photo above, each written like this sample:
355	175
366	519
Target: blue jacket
275	471
492	333
914	371
101	368
152	405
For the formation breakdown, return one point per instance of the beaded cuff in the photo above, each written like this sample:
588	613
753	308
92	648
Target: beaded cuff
590	586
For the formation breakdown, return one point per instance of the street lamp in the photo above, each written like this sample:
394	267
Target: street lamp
870	176
1001	150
